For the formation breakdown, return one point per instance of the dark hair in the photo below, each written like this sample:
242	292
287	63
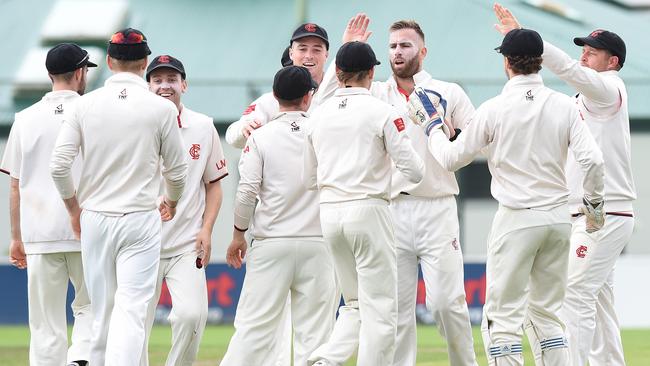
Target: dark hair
407	24
355	76
294	103
525	65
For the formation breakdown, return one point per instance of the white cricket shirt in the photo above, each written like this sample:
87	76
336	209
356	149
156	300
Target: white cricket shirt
44	221
603	104
528	130
123	131
438	181
266	107
352	138
270	168
206	164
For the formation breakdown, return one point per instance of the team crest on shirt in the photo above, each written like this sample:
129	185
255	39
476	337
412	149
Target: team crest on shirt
399	123
194	151
294	127
123	94
58	109
343	104
581	252
454	244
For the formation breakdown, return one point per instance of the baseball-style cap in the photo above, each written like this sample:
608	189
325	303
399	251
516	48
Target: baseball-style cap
521	42
165	61
66	57
310	29
356	56
128	44
604	40
292	82
285	60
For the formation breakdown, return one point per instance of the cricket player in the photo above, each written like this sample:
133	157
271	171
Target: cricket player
527	131
47	248
186	239
588	310
287	254
418	210
351	141
308	47
123	132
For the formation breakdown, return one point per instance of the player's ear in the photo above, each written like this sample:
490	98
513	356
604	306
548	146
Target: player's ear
109	62
183	85
612	63
423	52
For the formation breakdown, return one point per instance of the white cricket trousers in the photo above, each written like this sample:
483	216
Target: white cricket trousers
526	274
301	267
588	310
121	256
426	231
47	288
360	237
189	294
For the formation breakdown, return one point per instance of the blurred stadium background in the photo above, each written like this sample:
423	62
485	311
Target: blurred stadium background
231	50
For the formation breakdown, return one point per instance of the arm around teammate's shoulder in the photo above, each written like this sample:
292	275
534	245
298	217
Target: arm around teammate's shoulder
478	134
589	157
594	85
65	150
251	166
174	169
400	149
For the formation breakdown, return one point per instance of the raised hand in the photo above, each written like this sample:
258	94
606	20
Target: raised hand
507	21
357	29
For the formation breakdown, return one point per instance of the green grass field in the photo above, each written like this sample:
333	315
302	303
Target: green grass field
14	341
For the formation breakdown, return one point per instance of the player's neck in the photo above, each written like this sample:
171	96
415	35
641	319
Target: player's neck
406	84
63	86
319	79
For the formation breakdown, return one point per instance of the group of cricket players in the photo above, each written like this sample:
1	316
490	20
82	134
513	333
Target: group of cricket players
346	185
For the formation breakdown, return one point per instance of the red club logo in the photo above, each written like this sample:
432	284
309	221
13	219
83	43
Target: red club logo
310	27
194	151
581	251
399	123
596	33
164	59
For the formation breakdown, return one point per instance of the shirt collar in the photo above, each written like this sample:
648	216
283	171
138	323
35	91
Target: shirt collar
421	77
520	81
290	115
351	91
127	77
182	118
60	94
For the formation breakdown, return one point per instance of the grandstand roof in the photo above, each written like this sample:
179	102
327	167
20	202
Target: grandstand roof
231	49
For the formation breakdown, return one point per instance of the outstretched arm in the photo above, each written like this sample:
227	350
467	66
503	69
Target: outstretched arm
357	29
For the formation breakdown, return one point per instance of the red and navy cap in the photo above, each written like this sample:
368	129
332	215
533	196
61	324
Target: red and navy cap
165	61
128	44
604	40
310	29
